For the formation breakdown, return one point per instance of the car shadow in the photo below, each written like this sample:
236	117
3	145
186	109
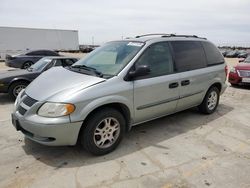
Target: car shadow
5	99
246	87
141	136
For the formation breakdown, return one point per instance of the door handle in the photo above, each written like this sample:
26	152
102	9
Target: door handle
185	82
173	85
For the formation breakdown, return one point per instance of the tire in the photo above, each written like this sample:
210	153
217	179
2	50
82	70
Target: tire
210	101
234	85
105	124
27	64
16	87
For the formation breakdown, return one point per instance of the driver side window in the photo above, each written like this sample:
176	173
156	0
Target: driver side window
158	58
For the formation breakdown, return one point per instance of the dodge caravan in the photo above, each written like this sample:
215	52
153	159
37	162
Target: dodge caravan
119	85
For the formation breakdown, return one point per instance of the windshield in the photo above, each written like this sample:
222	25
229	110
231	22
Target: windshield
39	65
247	60
111	57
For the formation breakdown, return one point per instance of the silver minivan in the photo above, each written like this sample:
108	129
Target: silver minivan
118	85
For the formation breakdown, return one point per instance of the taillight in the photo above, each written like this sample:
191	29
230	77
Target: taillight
226	70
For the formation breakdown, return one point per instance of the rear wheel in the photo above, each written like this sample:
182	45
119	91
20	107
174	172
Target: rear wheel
27	65
103	132
16	87
210	102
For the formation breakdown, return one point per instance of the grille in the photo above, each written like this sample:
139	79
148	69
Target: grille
21	110
244	73
28	101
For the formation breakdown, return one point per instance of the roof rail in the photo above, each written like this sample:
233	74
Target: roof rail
151	34
191	36
169	35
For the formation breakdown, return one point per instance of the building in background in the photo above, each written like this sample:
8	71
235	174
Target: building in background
17	40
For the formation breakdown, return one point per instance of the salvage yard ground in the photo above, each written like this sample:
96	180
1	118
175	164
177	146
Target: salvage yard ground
183	150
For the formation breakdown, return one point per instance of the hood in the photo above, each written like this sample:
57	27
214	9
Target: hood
14	73
58	83
243	66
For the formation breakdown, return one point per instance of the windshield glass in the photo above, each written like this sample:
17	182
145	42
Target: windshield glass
39	65
111	57
247	60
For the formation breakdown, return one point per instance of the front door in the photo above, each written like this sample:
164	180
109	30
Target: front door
156	94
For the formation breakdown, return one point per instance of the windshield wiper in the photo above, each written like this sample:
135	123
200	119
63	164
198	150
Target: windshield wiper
98	73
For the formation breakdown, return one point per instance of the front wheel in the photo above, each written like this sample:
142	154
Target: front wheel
103	132
16	87
211	101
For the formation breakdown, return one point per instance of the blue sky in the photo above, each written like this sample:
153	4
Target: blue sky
221	21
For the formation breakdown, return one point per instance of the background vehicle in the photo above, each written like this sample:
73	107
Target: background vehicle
14	80
240	74
25	60
232	53
223	52
242	54
247	60
119	85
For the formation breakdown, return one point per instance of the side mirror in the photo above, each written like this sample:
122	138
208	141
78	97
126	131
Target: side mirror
141	70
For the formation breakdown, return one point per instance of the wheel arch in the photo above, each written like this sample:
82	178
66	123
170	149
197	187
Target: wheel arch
218	85
15	80
121	107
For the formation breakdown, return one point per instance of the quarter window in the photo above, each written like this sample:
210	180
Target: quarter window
189	55
212	53
158	58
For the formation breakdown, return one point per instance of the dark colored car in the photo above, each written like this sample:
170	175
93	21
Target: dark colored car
223	52
240	74
233	53
14	80
242	54
27	59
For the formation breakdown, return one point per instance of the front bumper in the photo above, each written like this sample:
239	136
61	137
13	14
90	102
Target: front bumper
3	88
47	134
234	78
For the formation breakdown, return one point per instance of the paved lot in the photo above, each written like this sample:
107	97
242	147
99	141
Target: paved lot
184	150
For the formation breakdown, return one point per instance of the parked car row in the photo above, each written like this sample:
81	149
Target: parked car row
234	53
14	80
27	59
119	85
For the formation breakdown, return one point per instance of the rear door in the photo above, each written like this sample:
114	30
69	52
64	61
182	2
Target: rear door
190	64
156	94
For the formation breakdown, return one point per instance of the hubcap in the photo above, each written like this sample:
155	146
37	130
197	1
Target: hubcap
106	132
17	89
212	100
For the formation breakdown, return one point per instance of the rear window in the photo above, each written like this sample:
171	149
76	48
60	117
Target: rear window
51	53
36	53
189	55
213	55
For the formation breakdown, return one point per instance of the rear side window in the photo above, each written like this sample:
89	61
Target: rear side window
213	55
189	55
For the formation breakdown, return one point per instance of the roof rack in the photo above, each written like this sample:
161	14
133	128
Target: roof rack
152	34
191	36
170	35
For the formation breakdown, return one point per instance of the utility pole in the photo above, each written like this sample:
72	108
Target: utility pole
93	40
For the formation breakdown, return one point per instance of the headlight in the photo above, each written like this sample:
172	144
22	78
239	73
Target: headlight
50	109
233	70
